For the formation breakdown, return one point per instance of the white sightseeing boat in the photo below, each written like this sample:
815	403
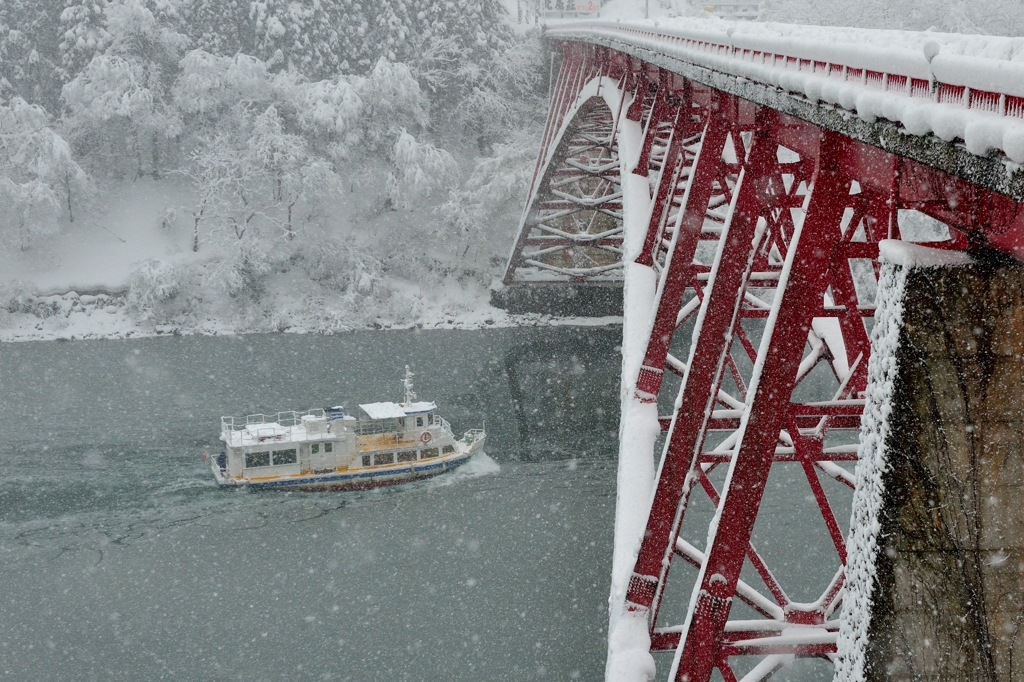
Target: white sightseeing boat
330	450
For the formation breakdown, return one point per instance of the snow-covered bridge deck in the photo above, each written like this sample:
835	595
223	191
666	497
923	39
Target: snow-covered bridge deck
741	181
932	89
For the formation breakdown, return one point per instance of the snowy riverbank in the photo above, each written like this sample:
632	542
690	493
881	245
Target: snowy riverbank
126	268
71	316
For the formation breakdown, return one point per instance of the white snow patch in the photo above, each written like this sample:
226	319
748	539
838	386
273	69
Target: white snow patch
829	331
916	256
862	545
629	655
101	249
629	642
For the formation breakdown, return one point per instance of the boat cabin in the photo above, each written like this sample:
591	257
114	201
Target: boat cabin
287	443
401	432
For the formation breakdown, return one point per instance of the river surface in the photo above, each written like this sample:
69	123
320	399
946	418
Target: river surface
122	561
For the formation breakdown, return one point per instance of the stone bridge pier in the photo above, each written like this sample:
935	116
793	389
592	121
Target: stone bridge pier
943	563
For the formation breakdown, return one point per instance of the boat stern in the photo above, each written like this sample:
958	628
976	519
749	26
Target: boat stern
473	441
221	477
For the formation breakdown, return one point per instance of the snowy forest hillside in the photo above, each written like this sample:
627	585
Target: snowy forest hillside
245	165
273	164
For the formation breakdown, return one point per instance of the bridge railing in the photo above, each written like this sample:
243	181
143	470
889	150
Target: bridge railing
966	87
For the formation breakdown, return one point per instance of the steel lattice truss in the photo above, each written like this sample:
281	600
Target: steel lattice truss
571	230
574	229
764	235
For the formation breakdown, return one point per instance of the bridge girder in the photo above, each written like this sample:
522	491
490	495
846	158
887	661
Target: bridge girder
761	234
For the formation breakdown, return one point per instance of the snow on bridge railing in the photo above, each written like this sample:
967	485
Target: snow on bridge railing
954	86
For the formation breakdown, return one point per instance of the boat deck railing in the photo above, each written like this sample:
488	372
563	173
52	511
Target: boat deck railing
443	423
274	423
289	418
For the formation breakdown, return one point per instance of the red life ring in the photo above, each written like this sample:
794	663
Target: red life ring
425	437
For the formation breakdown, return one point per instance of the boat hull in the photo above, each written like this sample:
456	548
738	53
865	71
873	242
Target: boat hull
358	479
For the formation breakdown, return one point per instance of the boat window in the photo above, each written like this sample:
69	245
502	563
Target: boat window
315	448
328	447
384	458
366	460
408	456
286	456
257	459
419	421
369	427
448	449
427	453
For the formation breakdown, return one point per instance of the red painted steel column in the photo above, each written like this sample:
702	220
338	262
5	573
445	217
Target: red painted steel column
635	112
722	301
810	253
677	273
659	113
668	179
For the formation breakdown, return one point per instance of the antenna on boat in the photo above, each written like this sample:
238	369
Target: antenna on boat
407	383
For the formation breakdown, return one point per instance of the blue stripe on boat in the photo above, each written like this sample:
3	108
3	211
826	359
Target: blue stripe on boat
340	478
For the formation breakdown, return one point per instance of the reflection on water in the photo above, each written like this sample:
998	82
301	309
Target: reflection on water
563	400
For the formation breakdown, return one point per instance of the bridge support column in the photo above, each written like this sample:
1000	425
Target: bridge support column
935	578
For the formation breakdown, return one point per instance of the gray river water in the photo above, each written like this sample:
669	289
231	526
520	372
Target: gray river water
122	561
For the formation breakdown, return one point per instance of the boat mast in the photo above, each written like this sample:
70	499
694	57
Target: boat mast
407	383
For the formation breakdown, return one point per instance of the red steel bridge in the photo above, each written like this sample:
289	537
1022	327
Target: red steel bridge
737	183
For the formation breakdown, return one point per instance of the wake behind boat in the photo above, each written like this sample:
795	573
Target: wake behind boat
331	450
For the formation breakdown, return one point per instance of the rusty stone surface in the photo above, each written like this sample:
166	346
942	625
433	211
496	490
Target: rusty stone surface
949	602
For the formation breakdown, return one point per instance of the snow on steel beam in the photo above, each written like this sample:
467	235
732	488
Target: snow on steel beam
716	321
704	173
574	224
914	100
774	377
571	228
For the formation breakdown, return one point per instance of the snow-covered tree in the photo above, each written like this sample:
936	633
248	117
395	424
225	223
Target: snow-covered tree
255	180
29	59
392	100
502	93
39	178
126	87
402	29
109	105
293	172
338	115
483	212
28	210
301	37
211	85
330	110
85	34
219	27
151	287
420	170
